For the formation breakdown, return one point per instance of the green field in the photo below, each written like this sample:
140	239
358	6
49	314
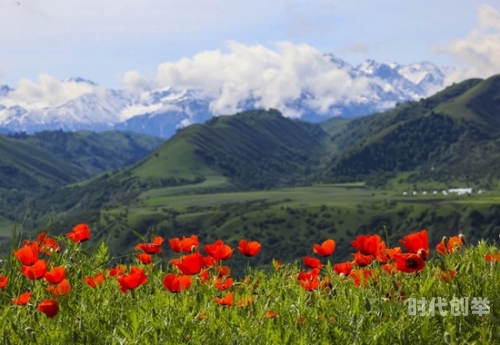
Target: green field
210	182
284	218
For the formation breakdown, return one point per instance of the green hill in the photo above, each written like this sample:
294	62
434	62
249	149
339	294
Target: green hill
252	150
94	152
451	137
33	167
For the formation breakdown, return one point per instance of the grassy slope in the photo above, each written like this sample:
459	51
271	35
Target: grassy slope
453	131
290	220
251	150
23	166
94	152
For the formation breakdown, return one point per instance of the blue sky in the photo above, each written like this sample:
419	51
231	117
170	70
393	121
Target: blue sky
102	39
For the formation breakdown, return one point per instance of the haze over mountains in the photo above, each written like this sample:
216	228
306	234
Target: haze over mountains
76	103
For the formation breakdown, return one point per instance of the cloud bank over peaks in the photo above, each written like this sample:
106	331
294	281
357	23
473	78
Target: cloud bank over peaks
48	92
273	78
298	80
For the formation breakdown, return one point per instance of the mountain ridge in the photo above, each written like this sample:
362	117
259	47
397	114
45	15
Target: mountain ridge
162	111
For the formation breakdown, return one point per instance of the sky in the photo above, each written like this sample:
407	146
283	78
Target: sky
132	43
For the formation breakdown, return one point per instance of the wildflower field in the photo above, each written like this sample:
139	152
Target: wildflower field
57	290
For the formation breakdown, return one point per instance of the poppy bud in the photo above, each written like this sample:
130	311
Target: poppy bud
445	241
462	238
368	306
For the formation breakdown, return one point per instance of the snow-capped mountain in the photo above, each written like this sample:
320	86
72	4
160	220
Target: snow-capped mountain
81	104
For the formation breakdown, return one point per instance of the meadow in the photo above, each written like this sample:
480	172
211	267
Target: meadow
56	290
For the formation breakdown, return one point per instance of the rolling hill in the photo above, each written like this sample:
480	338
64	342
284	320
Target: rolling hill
253	150
451	137
33	167
93	152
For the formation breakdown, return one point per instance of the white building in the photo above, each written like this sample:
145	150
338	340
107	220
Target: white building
460	191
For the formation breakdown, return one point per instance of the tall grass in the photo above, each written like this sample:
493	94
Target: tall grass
269	306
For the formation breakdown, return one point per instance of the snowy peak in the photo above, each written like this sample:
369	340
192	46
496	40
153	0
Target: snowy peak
4	90
80	80
77	103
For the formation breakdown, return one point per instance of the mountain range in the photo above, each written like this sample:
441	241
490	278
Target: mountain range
161	111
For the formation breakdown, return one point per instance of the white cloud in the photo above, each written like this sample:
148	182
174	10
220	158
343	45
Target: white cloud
479	50
272	77
134	82
48	92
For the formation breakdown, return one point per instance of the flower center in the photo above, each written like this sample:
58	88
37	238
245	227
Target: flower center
411	263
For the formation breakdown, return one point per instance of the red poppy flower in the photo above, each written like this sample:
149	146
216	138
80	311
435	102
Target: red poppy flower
222	271
390	268
492	257
309	280
63	288
409	262
118	270
134	279
151	248
79	233
23	299
187	244
326	248
310	284
204	276
447	276
219	250
417	243
368	244
209	261
249	248
245	301
454	243
37	271
49	307
191	264
223	283
386	255
227	300
270	314
362	260
361	276
344	268
47	244
28	254
175	283
144	258
56	275
312	262
95	281
276	264
4	280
